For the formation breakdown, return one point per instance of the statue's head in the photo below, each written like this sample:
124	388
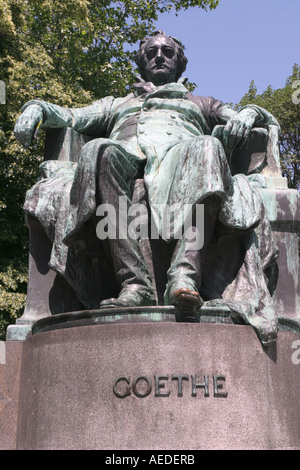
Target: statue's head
161	59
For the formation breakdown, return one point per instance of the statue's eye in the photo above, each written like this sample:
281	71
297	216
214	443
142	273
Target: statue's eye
169	52
151	52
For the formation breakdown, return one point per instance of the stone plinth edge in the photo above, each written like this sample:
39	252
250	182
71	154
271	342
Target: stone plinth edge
132	315
159	385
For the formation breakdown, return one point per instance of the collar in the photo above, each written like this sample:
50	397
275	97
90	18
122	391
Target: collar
143	88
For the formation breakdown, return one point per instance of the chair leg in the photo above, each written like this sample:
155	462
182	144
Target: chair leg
41	277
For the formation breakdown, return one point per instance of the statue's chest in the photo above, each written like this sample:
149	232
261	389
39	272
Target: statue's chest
167	115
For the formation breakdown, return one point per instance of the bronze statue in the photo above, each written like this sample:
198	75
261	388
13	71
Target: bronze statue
181	146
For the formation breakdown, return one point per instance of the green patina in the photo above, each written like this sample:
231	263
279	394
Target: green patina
183	148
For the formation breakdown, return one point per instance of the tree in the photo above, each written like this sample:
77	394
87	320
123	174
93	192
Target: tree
284	104
68	52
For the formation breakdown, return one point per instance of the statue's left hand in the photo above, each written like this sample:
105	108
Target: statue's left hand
237	129
27	124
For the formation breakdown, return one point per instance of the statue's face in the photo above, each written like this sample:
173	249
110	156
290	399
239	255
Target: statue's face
160	60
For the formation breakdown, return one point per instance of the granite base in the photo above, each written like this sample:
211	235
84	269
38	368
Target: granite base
158	386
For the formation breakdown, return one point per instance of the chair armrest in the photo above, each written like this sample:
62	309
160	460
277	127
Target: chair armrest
259	155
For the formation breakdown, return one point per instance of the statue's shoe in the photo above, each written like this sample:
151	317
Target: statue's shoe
185	299
129	298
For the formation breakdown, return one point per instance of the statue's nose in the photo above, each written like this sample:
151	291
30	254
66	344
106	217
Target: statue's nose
159	56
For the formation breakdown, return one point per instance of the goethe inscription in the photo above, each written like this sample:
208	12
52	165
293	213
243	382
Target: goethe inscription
161	385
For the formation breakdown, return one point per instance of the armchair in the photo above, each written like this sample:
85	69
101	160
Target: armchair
49	293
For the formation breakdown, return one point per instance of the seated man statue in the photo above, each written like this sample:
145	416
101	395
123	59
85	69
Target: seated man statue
168	137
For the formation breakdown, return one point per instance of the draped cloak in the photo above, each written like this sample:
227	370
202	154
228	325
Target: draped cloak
169	133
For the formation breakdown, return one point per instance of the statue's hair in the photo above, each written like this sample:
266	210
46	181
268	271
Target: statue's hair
182	60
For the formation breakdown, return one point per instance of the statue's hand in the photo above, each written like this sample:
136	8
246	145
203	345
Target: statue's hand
27	124
237	129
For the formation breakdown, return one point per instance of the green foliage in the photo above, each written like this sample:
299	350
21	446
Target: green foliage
70	53
284	104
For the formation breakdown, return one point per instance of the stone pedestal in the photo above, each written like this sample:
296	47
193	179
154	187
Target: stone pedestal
158	385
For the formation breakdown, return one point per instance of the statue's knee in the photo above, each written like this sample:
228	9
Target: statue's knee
208	141
93	146
213	142
106	153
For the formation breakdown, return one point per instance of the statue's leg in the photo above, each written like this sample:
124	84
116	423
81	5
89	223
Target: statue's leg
201	174
116	175
185	272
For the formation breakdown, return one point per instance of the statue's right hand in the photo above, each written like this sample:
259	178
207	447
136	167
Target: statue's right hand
27	124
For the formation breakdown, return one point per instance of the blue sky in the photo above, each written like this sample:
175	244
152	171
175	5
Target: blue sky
239	41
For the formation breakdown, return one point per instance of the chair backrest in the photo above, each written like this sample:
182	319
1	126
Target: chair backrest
64	144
